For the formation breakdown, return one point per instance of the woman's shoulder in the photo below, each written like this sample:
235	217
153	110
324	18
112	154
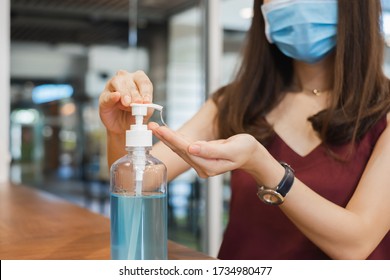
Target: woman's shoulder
386	129
382	129
383	124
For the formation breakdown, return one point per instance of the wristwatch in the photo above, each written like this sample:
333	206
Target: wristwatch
275	196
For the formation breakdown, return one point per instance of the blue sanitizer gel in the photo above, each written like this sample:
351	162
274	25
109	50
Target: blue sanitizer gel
139	227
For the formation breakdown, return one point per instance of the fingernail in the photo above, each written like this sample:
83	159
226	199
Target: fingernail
194	149
153	125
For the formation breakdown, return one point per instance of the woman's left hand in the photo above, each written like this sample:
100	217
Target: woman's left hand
210	158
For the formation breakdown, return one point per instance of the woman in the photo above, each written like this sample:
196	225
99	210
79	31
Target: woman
301	97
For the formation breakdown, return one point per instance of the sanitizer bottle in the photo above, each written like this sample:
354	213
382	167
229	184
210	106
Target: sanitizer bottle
138	197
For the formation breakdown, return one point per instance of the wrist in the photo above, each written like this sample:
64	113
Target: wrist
276	195
115	141
115	146
114	135
265	169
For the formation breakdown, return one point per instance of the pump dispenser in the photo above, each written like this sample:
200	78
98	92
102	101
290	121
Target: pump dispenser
138	196
139	135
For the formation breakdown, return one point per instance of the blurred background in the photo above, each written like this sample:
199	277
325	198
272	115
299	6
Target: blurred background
61	53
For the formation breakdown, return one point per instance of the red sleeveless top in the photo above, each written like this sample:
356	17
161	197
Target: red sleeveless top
259	231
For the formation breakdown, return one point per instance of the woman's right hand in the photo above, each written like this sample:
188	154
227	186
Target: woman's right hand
120	91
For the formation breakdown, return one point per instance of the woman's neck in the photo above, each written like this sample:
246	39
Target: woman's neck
315	78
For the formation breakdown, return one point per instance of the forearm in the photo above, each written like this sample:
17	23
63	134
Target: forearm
115	147
342	233
337	231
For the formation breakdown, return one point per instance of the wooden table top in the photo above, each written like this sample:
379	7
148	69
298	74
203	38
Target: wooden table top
38	225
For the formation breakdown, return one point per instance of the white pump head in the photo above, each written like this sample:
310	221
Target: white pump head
139	135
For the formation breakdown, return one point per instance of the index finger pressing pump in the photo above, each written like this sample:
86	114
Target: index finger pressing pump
138	197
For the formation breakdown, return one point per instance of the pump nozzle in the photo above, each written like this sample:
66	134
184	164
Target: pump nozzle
141	109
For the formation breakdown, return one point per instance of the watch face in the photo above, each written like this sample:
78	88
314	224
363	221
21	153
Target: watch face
270	196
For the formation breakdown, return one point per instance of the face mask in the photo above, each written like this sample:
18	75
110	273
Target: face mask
304	30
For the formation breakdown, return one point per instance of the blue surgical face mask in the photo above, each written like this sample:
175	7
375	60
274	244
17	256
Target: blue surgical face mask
304	30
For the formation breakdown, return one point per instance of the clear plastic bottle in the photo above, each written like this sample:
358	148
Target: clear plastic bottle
138	198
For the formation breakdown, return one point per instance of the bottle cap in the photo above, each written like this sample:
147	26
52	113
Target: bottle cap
139	135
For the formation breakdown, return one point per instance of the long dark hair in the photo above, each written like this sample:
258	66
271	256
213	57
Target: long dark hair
361	92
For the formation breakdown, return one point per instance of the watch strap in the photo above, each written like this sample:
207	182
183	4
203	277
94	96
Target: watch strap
287	181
